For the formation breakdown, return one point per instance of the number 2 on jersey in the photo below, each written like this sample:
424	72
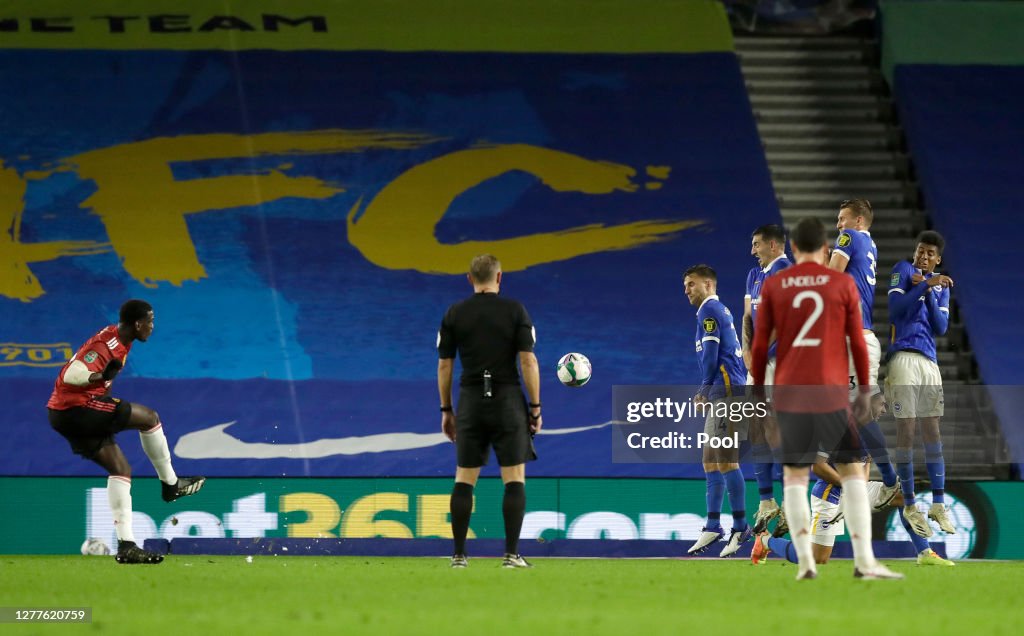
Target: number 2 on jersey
819	306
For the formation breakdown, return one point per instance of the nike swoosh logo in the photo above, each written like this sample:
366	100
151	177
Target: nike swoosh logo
216	443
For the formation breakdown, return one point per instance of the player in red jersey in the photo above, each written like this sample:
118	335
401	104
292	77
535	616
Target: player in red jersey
83	411
814	311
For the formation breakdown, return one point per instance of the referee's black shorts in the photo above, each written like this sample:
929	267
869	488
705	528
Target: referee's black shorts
90	427
806	435
500	421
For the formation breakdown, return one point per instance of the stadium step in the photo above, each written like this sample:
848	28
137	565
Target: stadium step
819	101
830	58
815	114
822	72
831	128
827	142
866	187
829	198
748	43
825	171
834	157
811	86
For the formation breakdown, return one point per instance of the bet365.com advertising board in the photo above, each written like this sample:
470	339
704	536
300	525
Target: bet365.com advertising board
49	515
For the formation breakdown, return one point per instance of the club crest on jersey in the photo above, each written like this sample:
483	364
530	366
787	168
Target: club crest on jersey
710	325
897	407
90	357
844	239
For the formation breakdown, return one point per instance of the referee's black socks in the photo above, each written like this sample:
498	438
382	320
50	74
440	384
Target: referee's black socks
461	508
513	507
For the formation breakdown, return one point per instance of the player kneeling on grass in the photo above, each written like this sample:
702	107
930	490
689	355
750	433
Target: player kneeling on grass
83	411
827	521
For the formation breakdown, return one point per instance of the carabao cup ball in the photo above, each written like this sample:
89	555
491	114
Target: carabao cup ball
574	369
95	547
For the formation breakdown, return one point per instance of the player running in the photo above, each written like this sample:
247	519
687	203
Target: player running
919	311
813	312
722	373
83	411
768	245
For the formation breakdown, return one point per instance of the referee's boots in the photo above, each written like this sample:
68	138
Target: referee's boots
515	561
186	486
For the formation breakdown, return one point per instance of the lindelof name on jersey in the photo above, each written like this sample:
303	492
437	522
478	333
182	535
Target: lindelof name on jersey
805	281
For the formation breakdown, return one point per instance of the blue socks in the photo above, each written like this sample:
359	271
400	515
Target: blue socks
777	468
936	470
763	464
715	496
905	468
736	486
920	543
874	442
783	547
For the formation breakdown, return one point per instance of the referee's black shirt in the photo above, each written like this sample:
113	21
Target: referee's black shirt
488	332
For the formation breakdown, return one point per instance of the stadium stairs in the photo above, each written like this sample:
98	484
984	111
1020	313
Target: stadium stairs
830	132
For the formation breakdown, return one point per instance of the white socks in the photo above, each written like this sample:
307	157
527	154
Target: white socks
154	442
858	522
119	495
798	516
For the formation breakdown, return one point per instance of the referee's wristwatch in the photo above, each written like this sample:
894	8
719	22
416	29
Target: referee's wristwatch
534	406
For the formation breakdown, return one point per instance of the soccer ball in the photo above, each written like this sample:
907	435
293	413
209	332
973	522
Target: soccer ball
574	369
95	547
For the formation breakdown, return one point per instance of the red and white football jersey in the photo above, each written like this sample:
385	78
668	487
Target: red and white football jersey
94	354
812	310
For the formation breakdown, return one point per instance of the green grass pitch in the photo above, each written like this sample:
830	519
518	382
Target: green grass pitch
383	596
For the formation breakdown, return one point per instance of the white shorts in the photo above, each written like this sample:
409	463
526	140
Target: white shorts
823	511
874	361
769	379
823	532
913	386
716	425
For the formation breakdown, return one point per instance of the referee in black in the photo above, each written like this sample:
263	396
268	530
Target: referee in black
489	332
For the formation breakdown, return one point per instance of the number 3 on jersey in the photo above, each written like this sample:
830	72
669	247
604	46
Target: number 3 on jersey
870	277
819	306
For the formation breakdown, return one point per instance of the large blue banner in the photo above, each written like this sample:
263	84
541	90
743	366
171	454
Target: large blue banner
300	221
963	125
